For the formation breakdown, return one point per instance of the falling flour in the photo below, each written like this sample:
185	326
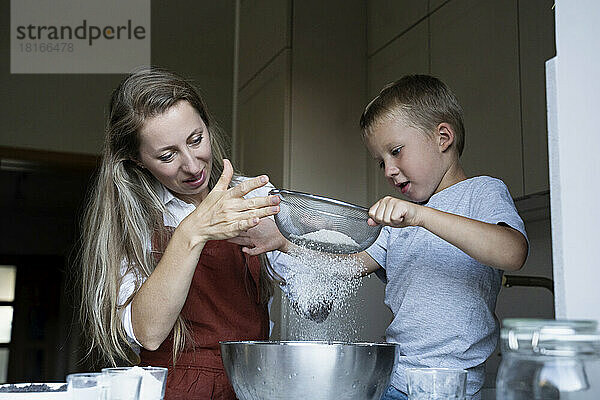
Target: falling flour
321	287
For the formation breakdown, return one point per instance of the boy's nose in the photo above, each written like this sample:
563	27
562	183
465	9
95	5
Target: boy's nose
390	171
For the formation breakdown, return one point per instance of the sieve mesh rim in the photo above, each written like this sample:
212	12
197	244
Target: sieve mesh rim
328	200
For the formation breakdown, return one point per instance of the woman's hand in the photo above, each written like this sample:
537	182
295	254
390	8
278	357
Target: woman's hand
395	213
224	213
261	238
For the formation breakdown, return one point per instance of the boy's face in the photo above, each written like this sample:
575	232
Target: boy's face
411	160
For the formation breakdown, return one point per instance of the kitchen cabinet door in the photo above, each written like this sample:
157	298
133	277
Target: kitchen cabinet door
328	90
263	34
388	19
408	54
263	122
537	45
474	50
434	4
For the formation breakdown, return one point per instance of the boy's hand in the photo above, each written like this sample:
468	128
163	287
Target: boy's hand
262	238
394	212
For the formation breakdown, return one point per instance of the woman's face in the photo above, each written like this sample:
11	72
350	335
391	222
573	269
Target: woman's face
175	148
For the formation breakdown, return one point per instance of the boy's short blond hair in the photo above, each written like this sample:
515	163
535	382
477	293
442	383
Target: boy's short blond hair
422	101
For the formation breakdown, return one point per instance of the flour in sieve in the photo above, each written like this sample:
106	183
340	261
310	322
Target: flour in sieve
329	237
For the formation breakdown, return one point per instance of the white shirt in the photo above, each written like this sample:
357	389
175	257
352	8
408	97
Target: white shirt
177	210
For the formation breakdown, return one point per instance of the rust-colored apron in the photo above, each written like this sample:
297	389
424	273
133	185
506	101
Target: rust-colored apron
223	303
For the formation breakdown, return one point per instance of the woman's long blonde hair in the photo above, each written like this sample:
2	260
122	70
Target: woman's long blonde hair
124	210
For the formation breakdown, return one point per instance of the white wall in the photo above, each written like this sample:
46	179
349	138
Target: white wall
573	88
65	112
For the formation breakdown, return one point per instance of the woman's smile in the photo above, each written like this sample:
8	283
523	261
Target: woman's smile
196	181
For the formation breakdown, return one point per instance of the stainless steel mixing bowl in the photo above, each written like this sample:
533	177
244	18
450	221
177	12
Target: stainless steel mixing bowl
308	370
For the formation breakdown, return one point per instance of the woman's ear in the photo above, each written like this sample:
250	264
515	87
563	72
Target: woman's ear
445	136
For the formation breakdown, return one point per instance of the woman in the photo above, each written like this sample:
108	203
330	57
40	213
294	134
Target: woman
157	269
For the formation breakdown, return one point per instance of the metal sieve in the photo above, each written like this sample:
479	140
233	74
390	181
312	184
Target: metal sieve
323	224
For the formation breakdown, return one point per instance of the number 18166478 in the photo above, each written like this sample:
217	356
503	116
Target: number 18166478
61	47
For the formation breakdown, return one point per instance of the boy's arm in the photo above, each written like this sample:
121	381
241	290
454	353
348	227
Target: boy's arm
495	245
368	263
498	246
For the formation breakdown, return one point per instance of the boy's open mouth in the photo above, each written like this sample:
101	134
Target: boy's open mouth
403	186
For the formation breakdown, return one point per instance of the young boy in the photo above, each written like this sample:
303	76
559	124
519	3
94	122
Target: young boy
443	268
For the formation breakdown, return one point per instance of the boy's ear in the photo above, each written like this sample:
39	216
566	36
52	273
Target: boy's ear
445	136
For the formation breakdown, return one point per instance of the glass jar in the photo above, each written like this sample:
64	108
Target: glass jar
549	360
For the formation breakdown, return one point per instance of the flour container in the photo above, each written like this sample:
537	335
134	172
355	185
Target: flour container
549	360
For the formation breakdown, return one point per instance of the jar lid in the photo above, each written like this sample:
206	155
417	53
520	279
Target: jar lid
559	326
567	338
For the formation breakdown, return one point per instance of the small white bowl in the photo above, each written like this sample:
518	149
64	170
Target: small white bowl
47	395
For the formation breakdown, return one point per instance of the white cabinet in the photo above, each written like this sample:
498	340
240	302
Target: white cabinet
264	32
537	45
408	54
388	19
475	51
263	121
328	94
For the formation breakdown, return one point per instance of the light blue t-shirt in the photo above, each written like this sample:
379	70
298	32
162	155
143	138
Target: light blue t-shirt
442	299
